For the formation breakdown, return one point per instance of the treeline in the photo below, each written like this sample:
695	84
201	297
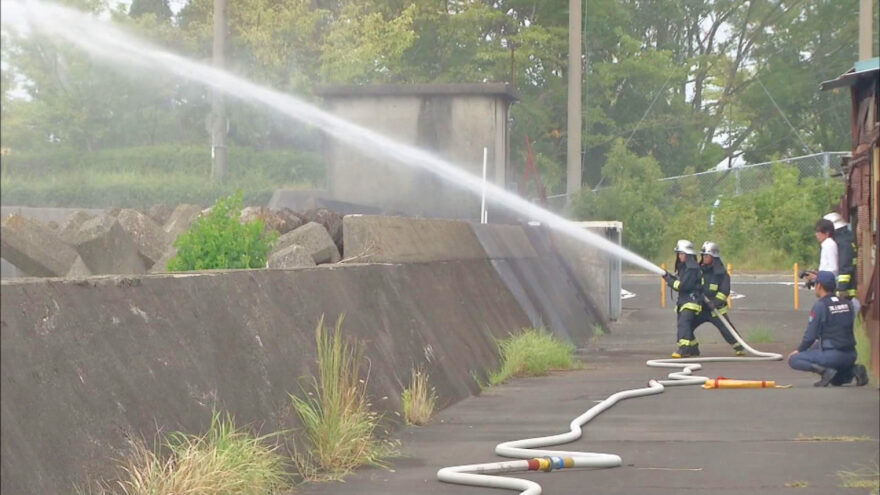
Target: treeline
687	83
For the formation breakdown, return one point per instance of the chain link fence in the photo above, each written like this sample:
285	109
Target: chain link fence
743	179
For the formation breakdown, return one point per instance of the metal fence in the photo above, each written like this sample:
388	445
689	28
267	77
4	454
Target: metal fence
747	178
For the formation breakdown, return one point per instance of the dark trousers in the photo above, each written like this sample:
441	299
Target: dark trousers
828	358
708	317
686	319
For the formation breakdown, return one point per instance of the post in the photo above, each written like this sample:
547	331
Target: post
865	36
663	288
796	305
729	273
218	105
483	217
573	168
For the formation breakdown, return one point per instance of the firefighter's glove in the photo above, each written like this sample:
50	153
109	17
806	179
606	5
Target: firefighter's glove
669	278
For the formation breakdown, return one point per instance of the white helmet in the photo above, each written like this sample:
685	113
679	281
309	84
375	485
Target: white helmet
836	219
711	248
685	246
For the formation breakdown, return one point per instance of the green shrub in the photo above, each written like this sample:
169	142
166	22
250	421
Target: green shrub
219	241
532	352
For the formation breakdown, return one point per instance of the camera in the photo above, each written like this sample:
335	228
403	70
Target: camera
809	283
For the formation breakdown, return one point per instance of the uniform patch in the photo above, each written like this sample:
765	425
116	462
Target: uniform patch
812	316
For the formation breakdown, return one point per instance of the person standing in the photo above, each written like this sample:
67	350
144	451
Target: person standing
828	346
828	257
688	282
847	253
716	287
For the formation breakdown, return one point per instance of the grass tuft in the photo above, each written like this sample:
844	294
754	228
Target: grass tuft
863	477
532	352
759	335
224	460
419	399
336	416
863	346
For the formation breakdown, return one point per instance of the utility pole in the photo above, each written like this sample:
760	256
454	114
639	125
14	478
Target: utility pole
866	39
573	168
218	105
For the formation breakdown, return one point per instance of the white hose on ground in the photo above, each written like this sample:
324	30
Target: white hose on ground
537	459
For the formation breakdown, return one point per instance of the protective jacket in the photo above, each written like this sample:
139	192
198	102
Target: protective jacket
831	322
688	282
716	284
847	261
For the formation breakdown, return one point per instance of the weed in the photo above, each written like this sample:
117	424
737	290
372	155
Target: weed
862	477
224	460
419	399
760	335
336	416
863	345
532	352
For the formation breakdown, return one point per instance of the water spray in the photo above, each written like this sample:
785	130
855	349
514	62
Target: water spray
103	40
534	458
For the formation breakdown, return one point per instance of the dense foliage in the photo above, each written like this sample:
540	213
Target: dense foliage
218	240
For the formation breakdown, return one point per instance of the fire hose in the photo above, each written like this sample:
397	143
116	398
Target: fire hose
532	457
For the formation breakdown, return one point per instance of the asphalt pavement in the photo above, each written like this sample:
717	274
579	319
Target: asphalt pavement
685	440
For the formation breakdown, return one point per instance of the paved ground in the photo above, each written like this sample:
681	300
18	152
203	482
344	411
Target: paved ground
686	440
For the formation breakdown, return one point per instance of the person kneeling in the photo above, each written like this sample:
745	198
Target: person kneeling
828	347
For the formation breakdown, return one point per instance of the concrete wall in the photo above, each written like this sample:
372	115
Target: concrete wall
454	121
85	362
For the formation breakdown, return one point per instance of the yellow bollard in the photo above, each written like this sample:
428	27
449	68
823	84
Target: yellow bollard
729	300
663	288
796	305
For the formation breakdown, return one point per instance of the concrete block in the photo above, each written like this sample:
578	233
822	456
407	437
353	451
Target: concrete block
331	221
160	213
504	241
281	220
293	256
70	226
161	265
149	237
33	248
8	270
313	237
380	239
105	247
78	269
180	220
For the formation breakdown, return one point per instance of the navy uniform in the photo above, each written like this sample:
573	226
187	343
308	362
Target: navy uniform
716	287
829	347
688	282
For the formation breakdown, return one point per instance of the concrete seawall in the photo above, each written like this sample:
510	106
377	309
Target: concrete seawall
86	362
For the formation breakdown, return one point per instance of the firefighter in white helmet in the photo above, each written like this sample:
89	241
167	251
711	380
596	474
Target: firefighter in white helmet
688	282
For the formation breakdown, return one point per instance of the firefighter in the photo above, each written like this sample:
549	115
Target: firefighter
716	287
688	282
846	256
829	347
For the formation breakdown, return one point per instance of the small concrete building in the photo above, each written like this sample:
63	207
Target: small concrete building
453	121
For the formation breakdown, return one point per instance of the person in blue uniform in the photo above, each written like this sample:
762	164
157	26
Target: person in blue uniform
829	347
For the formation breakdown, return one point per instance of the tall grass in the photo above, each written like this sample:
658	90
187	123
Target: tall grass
335	414
863	346
419	399
532	352
224	460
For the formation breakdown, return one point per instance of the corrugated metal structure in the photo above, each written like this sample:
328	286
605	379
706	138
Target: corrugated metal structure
859	204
